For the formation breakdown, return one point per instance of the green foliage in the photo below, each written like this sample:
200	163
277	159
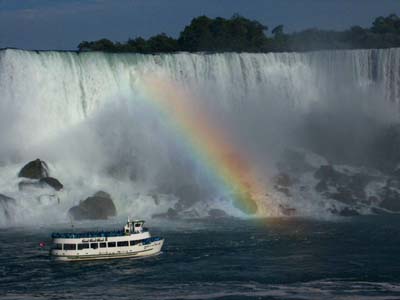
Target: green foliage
219	34
162	43
100	45
239	34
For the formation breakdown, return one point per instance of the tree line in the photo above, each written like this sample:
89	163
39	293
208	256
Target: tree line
239	34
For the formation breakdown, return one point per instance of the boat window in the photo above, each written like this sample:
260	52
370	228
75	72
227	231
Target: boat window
111	244
133	243
103	245
123	244
69	246
58	246
83	246
94	245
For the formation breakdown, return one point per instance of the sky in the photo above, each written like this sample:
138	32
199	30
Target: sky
63	24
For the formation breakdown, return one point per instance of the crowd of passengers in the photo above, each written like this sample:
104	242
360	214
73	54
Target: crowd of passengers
72	235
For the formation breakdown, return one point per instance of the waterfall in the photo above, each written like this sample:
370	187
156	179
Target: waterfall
83	114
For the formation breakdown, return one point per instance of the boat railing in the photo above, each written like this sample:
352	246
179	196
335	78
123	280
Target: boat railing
91	234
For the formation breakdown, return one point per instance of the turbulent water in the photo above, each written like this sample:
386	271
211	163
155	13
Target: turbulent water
86	116
228	259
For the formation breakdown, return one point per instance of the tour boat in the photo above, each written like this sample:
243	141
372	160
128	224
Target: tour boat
134	241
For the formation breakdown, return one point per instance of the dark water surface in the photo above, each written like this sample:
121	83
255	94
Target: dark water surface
226	259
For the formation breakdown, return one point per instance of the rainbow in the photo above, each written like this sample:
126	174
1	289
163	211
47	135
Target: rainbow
207	142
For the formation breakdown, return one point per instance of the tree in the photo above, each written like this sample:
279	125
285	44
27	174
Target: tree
162	43
390	24
240	34
219	34
280	41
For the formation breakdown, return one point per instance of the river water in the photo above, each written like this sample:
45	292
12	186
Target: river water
218	259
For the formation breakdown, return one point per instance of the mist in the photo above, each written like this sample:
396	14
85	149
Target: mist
87	117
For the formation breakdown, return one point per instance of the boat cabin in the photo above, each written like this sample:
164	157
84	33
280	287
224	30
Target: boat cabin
135	226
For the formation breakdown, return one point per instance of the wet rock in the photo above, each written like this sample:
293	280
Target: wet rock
283	179
170	214
190	214
345	212
390	195
102	194
39	184
327	173
378	211
35	169
53	182
216	213
348	212
391	201
98	207
287	211
282	183
188	195
245	203
386	148
294	162
348	188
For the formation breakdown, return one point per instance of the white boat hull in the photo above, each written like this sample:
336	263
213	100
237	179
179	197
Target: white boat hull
143	251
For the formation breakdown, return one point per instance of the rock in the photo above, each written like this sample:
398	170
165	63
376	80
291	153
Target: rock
283	179
7	204
348	188
345	212
190	214
386	148
390	195
391	201
216	213
42	183
188	195
294	161
348	212
287	211
245	203
35	169
326	173
98	207
53	182
379	211
170	214
102	194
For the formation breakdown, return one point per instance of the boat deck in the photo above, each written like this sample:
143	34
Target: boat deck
89	234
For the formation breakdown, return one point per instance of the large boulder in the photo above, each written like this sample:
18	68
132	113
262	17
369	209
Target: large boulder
282	183
390	195
98	207
39	184
53	182
216	213
245	202
36	169
348	188
170	214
